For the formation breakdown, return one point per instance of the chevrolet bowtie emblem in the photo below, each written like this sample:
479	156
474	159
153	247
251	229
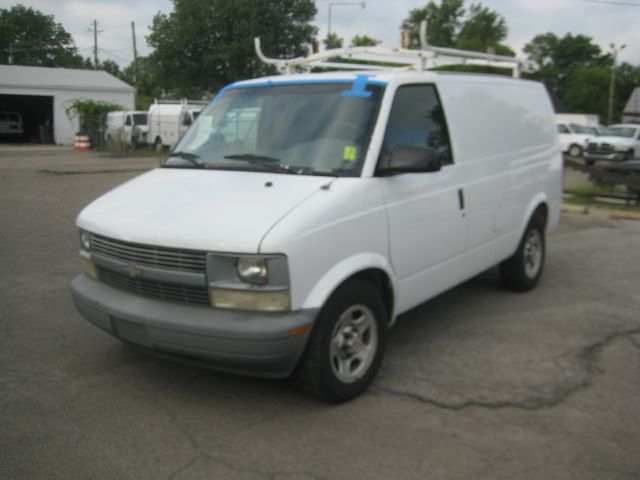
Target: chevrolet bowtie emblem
132	271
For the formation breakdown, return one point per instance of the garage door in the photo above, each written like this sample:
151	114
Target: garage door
37	117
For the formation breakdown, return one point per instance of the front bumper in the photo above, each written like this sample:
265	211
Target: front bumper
250	343
613	156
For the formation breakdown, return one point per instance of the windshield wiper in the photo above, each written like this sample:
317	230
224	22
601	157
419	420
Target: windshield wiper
190	157
252	158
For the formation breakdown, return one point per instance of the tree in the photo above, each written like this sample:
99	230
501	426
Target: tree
450	25
29	37
483	29
332	41
443	23
148	86
364	41
205	44
110	66
566	62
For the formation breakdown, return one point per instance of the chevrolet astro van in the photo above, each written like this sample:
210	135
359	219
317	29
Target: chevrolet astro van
301	214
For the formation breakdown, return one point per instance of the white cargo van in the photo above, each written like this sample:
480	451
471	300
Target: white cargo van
11	124
168	120
126	128
301	214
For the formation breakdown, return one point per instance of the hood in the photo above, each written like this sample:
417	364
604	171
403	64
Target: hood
214	210
613	140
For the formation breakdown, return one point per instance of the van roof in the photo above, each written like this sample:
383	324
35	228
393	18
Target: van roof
382	77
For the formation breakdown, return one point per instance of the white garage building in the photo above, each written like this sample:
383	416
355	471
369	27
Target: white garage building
42	95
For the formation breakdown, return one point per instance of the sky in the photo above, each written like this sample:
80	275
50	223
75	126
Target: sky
606	21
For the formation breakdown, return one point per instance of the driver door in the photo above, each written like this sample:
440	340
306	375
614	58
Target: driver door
426	212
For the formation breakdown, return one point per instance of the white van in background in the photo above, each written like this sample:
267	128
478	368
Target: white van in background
126	128
169	120
11	125
301	214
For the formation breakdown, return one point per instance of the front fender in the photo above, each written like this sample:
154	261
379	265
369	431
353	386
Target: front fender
344	270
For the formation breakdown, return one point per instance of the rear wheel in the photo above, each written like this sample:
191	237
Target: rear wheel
346	345
522	271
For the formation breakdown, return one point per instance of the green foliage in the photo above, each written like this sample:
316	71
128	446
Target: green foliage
332	41
205	44
148	86
35	39
364	41
443	23
110	66
479	29
92	115
578	74
483	29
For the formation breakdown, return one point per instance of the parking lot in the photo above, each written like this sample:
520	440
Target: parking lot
477	383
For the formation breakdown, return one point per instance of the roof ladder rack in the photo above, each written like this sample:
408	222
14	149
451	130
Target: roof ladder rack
428	57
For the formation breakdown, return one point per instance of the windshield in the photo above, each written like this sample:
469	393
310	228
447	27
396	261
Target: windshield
627	132
139	118
313	129
583	129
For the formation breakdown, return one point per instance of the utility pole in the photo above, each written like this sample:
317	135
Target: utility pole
136	73
612	82
11	53
95	44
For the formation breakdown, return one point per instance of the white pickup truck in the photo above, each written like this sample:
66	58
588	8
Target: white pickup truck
618	142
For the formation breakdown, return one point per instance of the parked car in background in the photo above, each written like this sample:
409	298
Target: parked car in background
169	120
619	142
11	125
126	128
586	119
574	137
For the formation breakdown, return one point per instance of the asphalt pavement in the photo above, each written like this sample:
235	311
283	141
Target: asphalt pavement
478	383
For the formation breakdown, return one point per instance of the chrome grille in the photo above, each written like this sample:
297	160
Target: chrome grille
174	258
604	148
186	294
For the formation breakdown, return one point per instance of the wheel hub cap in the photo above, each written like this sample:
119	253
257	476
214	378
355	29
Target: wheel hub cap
353	343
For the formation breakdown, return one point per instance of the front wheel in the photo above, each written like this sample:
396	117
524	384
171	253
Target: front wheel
575	150
523	269
346	345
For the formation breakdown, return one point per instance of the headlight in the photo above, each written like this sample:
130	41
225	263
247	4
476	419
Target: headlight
249	282
252	270
85	240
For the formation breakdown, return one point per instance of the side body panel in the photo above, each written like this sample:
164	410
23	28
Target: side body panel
506	144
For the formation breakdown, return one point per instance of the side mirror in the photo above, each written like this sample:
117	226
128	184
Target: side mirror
410	159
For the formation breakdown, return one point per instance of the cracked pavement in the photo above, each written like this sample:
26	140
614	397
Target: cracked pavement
477	383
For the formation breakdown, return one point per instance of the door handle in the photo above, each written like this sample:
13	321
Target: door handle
461	198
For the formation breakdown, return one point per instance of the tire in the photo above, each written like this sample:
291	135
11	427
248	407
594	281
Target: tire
575	150
523	269
346	346
157	145
629	154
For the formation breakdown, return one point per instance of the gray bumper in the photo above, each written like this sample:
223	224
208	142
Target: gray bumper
230	341
604	156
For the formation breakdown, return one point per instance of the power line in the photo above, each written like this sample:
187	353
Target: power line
612	2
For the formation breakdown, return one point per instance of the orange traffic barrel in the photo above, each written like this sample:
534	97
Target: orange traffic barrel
82	143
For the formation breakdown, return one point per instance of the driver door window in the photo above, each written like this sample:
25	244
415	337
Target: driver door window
417	119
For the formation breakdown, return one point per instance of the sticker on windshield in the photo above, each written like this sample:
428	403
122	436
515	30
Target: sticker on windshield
350	153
